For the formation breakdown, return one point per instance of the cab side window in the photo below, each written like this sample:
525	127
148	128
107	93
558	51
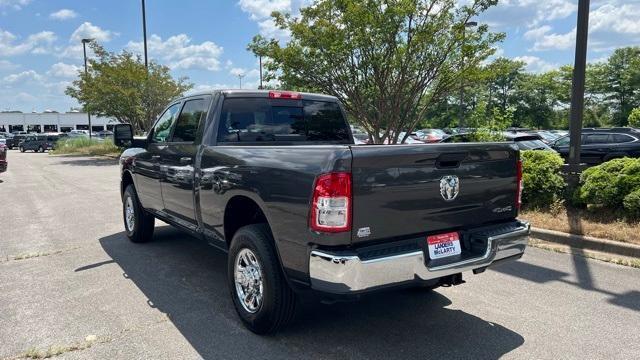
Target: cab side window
187	125
162	130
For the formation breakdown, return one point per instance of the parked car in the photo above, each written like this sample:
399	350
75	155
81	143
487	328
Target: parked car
274	179
546	136
602	144
431	135
104	134
524	141
38	143
15	140
78	133
3	158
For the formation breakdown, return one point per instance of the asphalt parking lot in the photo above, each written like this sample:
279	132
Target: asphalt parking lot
70	280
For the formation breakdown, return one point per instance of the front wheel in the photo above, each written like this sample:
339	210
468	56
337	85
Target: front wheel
138	223
40	149
261	295
21	149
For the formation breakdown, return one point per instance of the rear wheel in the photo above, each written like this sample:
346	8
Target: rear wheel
40	149
138	223
261	295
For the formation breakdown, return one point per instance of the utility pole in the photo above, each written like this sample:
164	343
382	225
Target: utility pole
144	34
240	76
260	58
577	87
84	50
461	110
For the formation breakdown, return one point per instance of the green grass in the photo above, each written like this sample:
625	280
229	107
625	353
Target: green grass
84	146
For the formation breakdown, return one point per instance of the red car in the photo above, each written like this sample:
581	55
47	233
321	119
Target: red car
3	158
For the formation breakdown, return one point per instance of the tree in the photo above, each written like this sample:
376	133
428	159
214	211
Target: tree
617	82
388	61
119	86
634	118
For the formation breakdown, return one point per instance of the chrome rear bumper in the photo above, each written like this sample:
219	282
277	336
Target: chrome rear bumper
344	272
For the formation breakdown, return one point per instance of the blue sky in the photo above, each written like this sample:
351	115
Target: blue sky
40	49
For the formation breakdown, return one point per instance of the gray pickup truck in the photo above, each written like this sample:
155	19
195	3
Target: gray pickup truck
274	179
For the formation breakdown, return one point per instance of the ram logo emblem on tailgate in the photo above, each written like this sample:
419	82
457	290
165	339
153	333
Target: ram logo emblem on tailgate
449	187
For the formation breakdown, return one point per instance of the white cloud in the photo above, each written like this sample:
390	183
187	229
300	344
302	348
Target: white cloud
62	70
178	52
544	40
528	12
89	31
37	43
260	9
63	14
14	4
611	25
269	29
249	74
536	64
23	77
7	65
260	12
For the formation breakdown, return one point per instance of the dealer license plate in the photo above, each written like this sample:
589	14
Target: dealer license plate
443	245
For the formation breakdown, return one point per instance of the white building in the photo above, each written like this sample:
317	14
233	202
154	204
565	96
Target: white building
53	122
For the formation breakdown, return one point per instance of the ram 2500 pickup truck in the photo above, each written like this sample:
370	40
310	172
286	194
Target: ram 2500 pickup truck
274	179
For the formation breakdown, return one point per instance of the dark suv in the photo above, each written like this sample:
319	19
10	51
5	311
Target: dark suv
603	144
38	143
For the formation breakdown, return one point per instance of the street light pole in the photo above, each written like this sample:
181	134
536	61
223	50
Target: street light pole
144	34
240	76
84	50
260	58
577	88
461	110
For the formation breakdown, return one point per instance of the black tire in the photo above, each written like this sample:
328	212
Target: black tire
142	223
278	300
40	149
21	149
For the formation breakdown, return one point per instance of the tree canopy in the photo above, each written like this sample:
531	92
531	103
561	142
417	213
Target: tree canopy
118	85
388	61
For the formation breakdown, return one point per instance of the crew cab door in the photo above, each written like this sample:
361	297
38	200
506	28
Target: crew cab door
147	164
177	159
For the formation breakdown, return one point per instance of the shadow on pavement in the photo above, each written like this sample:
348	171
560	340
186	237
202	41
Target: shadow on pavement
186	278
584	279
88	161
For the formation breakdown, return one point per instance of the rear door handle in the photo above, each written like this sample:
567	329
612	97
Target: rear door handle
155	157
185	160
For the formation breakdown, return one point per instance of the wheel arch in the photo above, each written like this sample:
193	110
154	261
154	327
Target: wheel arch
240	211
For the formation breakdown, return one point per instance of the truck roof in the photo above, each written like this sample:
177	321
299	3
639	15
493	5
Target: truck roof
260	93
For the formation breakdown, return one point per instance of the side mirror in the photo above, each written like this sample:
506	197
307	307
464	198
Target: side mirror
123	135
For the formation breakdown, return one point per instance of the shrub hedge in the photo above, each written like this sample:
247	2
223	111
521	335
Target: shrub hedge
543	183
613	184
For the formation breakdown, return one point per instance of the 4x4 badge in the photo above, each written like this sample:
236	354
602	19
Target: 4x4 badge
449	187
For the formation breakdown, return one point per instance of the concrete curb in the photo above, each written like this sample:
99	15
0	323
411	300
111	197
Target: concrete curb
587	242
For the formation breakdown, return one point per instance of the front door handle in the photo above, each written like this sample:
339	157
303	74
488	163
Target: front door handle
155	157
185	160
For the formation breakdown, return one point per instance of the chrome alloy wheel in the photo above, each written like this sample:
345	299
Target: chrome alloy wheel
248	279
129	214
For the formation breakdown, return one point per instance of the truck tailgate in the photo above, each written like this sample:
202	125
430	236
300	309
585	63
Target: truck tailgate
397	189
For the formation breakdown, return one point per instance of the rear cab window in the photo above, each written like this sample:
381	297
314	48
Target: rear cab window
264	121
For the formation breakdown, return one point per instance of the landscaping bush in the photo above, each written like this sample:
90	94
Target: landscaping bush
631	203
543	185
609	183
84	146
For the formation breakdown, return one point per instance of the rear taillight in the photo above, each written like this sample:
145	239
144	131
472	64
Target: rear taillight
519	181
285	95
331	204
